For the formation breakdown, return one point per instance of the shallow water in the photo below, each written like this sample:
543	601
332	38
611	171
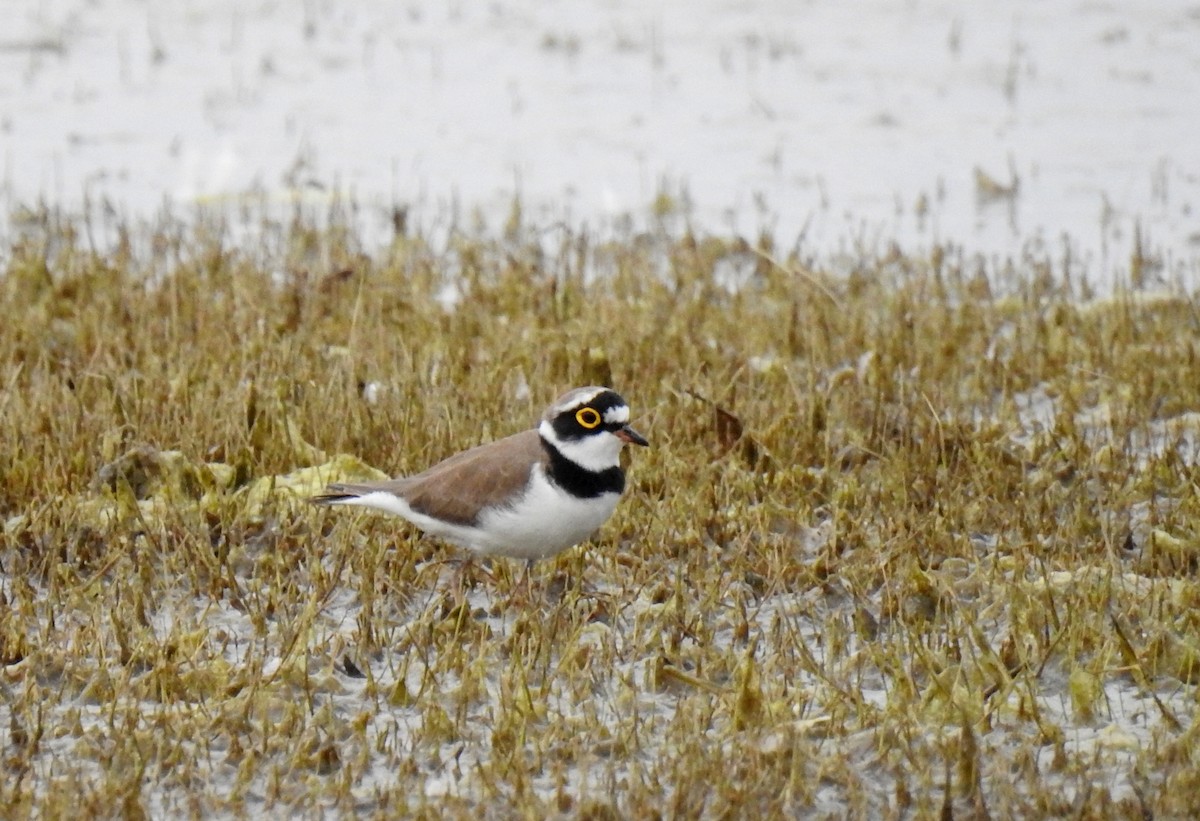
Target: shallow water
837	127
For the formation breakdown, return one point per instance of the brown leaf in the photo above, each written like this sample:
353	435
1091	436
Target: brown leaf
729	427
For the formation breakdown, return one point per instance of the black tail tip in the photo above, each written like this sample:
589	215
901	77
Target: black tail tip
330	498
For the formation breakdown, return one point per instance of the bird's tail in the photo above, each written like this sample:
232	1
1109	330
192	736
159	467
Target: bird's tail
336	495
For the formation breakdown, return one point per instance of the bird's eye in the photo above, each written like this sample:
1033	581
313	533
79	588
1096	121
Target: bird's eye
588	417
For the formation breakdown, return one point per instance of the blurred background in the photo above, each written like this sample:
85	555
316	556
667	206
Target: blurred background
1063	129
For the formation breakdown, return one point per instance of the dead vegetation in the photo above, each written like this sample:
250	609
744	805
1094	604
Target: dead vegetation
916	539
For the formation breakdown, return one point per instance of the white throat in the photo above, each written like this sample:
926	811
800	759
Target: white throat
596	453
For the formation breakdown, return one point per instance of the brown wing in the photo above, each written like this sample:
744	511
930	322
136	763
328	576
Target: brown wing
341	492
454	490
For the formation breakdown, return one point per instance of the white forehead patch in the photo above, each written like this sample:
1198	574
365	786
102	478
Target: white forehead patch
618	415
576	398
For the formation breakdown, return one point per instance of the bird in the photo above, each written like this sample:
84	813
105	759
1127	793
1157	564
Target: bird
528	496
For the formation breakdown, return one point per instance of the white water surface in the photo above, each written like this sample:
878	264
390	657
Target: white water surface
838	127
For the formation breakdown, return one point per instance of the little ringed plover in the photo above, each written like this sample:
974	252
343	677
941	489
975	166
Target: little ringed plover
528	496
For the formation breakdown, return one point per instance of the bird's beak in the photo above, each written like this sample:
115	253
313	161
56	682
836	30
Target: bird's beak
628	434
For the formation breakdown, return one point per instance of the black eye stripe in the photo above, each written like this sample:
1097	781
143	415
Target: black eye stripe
568	424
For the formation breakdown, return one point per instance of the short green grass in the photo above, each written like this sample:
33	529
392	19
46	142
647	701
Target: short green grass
914	540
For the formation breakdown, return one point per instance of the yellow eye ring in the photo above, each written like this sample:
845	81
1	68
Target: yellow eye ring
588	418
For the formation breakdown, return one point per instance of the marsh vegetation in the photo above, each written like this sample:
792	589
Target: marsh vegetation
917	536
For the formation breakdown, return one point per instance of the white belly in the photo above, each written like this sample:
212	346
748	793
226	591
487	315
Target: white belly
543	522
